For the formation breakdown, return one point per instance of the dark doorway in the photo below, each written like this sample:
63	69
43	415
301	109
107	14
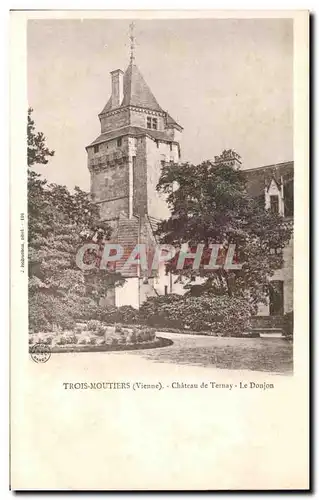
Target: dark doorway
276	298
274	204
289	198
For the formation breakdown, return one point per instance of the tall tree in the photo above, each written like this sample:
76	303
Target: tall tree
38	152
210	205
59	223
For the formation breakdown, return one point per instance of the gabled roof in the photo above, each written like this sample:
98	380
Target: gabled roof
261	177
270	181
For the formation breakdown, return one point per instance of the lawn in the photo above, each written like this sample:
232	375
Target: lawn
266	355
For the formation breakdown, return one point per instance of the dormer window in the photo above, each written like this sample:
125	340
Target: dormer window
96	148
151	123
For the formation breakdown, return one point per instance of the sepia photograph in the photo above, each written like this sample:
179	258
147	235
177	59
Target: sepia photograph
158	248
160	189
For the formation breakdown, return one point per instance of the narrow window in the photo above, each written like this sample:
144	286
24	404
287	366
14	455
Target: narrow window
154	123
119	142
149	122
171	147
157	143
274	204
165	290
96	148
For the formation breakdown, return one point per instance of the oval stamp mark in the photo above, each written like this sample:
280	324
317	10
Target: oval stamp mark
40	353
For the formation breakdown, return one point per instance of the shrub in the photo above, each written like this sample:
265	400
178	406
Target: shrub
151	334
93	325
61	341
84	309
110	314
47	310
118	329
100	341
109	331
71	339
100	331
221	315
127	315
38	320
92	341
131	338
147	334
107	314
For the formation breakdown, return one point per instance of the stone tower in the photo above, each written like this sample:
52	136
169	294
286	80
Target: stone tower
137	138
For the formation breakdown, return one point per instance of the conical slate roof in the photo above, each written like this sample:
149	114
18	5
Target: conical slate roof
136	92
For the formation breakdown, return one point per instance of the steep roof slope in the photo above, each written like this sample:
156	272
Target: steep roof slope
136	92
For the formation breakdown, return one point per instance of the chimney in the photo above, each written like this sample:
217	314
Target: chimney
117	87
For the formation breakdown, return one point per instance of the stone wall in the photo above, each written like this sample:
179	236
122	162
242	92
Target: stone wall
109	168
285	274
139	118
140	178
158	152
109	209
117	119
110	183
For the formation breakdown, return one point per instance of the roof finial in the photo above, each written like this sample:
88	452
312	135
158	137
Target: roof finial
132	38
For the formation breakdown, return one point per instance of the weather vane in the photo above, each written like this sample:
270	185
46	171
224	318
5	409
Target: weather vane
132	39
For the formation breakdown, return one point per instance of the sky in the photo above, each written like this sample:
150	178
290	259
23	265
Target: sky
228	82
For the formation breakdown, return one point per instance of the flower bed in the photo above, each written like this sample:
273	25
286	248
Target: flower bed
98	337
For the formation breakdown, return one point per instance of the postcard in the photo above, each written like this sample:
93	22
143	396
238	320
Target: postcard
159	250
